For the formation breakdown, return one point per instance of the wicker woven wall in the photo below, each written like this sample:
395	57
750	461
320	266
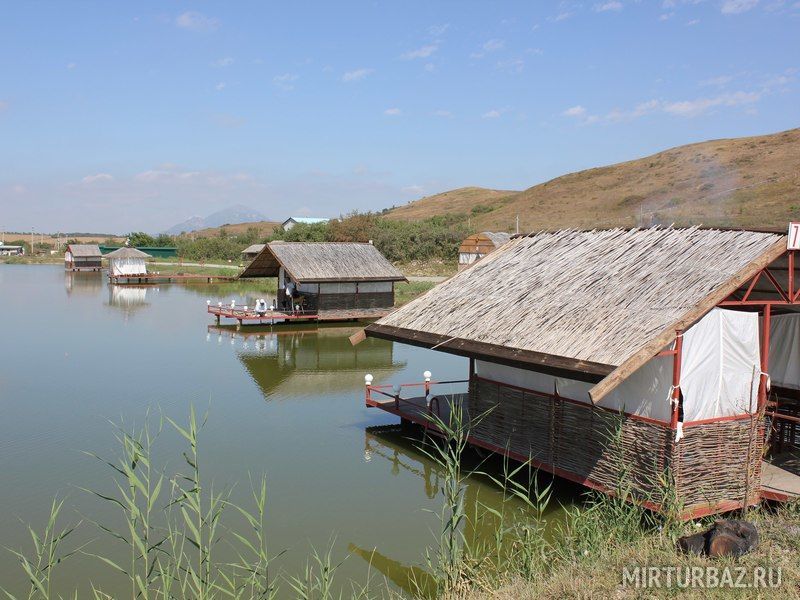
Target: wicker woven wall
613	451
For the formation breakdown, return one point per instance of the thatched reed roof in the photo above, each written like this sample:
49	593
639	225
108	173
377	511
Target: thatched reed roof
587	303
84	250
254	249
127	253
484	242
309	262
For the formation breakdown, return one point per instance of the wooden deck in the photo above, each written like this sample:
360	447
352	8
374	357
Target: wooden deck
273	317
780	477
160	278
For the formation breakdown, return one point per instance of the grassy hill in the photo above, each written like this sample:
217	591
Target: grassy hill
264	229
742	182
460	201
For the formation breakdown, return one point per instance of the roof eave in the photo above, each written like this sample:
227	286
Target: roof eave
559	366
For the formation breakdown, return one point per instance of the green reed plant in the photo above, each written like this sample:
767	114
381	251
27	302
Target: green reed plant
48	553
138	489
447	564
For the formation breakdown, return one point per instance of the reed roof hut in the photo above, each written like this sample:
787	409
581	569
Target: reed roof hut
252	251
479	245
82	257
127	262
328	275
567	330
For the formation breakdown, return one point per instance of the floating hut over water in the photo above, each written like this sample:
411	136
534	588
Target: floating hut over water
82	257
321	281
620	357
479	245
127	262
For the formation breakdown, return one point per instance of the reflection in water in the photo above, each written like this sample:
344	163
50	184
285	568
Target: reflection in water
484	500
294	361
413	580
87	283
128	297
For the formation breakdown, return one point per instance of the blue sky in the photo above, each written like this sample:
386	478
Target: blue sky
117	116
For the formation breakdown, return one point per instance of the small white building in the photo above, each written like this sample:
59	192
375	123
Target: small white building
11	250
127	262
292	221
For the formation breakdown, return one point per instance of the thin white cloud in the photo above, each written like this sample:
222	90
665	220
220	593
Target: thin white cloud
4	105
495	113
195	21
720	81
285	82
417	190
220	86
682	108
562	16
735	7
445	114
492	45
699	106
693	22
430	67
97	177
222	62
357	74
393	112
71	65
613	5
438	30
512	65
423	52
577	111
666	16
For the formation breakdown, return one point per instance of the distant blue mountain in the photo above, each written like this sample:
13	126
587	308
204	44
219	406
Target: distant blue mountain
230	215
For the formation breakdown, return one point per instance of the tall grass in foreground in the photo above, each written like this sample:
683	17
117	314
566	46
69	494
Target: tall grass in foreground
172	526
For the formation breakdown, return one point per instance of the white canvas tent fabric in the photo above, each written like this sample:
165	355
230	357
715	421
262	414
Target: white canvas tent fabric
719	374
784	350
130	265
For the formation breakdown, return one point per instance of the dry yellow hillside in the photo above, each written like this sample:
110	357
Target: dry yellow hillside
742	182
461	200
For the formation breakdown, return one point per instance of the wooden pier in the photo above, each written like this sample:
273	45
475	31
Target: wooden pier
248	316
159	278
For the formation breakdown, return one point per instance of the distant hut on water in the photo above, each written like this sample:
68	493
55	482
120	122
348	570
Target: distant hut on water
321	276
127	262
82	257
479	245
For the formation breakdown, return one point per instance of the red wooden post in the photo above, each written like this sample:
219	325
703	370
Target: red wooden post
762	388
676	379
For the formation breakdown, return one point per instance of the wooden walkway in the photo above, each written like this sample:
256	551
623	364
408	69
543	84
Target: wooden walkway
780	478
273	317
160	278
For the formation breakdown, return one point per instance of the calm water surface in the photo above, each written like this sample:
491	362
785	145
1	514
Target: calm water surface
287	402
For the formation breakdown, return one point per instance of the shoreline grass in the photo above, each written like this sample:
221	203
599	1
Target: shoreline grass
173	525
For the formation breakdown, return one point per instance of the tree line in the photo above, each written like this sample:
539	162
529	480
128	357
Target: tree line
400	241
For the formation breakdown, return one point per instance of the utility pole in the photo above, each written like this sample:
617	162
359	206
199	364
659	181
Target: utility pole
32	252
517	224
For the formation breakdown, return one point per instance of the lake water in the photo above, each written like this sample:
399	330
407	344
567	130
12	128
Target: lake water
286	402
